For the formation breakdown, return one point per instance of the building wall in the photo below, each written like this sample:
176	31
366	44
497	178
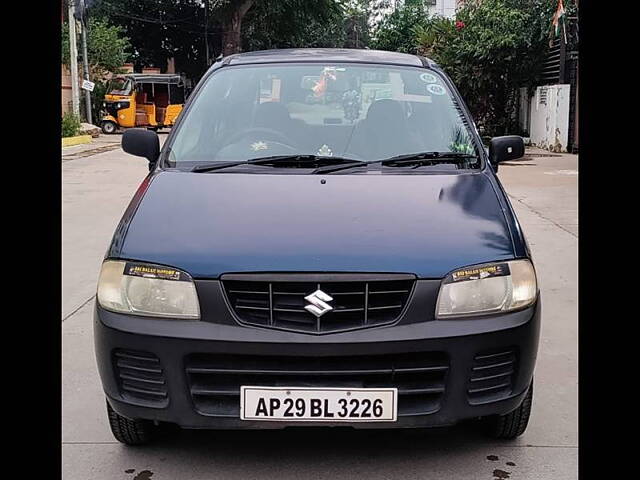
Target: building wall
444	8
66	90
549	113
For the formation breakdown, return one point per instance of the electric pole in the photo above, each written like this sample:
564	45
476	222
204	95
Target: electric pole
206	24
85	64
73	50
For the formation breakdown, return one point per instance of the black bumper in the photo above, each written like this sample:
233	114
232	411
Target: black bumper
452	352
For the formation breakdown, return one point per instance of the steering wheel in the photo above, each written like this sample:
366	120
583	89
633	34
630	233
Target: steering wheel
258	131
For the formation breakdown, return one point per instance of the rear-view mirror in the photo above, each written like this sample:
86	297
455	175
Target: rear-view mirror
501	149
141	143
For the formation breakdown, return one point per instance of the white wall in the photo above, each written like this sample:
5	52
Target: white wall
524	104
550	117
445	8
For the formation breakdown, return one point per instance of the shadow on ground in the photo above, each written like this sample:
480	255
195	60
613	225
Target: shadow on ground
317	452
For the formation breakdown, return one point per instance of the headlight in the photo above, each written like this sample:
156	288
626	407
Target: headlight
489	288
142	289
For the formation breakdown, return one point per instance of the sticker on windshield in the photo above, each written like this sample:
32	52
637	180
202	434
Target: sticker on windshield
325	151
436	89
151	271
258	146
428	78
499	270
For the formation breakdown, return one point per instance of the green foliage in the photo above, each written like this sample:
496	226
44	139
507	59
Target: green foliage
357	31
396	32
97	97
293	23
161	29
499	47
70	125
107	47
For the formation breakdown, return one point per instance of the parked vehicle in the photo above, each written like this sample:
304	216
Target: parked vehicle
143	100
282	265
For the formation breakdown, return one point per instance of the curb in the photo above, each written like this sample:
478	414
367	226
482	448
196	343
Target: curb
79	140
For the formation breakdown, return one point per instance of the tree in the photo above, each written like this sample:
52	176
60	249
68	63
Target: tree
492	49
286	23
357	15
107	47
396	31
161	29
232	13
294	23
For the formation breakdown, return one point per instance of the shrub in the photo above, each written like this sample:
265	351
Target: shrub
396	32
492	49
70	125
97	97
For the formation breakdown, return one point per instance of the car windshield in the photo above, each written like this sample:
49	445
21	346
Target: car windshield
120	86
352	111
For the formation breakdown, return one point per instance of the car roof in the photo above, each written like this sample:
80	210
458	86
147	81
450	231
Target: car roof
327	55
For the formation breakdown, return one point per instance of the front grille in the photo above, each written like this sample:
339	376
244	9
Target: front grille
492	376
215	379
140	377
281	304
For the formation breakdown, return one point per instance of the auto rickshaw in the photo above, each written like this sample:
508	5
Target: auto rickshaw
142	100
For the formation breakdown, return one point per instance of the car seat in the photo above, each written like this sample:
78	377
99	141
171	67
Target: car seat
383	132
275	116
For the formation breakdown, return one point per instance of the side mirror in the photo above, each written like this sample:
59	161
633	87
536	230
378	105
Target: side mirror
505	148
142	143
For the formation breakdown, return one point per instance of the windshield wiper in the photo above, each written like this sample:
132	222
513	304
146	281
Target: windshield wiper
427	157
400	160
210	167
301	161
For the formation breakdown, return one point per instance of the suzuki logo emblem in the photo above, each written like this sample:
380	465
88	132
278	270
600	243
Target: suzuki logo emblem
318	303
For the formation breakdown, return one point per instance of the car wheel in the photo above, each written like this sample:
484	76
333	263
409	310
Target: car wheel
514	423
109	127
127	431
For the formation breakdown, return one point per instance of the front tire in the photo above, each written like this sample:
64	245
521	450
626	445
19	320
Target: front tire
109	127
513	424
130	432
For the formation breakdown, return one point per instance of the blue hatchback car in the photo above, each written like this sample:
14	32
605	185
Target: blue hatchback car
321	240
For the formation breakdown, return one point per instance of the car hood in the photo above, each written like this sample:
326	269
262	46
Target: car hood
213	223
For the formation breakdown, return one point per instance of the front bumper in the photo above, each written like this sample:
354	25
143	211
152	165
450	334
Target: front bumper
502	346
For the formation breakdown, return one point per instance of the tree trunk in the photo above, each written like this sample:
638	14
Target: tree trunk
231	37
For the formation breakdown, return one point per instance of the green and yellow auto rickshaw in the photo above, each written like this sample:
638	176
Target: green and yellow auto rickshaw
142	100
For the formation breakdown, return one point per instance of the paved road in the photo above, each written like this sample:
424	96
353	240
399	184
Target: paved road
543	190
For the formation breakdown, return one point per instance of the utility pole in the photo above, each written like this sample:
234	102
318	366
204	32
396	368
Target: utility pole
73	50
206	24
85	64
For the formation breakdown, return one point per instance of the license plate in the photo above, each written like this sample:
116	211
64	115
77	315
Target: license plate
306	404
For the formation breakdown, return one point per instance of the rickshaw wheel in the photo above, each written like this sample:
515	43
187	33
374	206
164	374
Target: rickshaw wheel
109	127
